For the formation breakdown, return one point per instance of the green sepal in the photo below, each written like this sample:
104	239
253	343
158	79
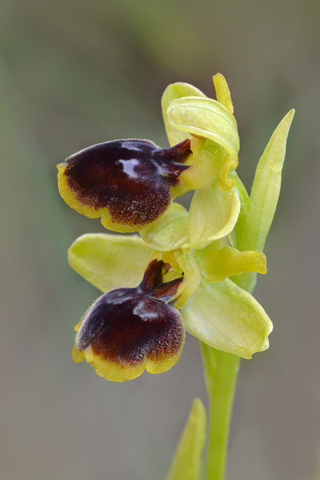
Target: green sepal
110	261
213	214
208	118
170	231
172	92
227	318
187	462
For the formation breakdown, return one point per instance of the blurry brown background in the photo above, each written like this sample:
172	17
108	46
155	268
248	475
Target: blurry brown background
77	73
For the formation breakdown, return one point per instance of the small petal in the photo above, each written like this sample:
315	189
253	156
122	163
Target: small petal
218	264
208	118
222	91
227	318
170	231
128	330
213	215
126	182
187	462
110	261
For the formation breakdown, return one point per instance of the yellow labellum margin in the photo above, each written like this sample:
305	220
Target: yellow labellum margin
71	199
121	372
227	318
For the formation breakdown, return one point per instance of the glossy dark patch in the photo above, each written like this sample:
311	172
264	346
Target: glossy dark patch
127	324
132	178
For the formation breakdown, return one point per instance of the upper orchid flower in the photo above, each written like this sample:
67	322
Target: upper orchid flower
129	183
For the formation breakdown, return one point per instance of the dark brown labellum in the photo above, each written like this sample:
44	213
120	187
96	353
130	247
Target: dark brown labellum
132	178
126	325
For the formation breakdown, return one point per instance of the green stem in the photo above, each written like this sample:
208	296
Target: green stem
220	375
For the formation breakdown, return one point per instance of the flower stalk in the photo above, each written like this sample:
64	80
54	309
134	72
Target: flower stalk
220	376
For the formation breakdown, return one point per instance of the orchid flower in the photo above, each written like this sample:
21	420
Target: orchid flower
185	269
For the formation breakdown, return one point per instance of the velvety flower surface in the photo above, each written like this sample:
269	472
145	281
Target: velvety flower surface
128	330
130	183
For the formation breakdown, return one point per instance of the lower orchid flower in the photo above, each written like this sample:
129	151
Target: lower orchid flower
129	329
137	325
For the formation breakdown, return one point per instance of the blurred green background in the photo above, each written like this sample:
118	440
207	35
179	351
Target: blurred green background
78	73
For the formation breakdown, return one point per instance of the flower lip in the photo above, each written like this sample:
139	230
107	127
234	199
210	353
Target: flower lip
130	178
128	329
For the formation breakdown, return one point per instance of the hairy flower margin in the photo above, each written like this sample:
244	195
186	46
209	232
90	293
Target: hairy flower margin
190	261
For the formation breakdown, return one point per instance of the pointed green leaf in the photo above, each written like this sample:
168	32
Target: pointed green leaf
186	464
208	118
170	231
172	92
110	261
253	229
227	318
213	214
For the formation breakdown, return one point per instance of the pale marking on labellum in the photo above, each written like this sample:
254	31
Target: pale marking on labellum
128	167
143	313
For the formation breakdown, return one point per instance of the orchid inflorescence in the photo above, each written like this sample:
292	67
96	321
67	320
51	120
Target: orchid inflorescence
191	262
